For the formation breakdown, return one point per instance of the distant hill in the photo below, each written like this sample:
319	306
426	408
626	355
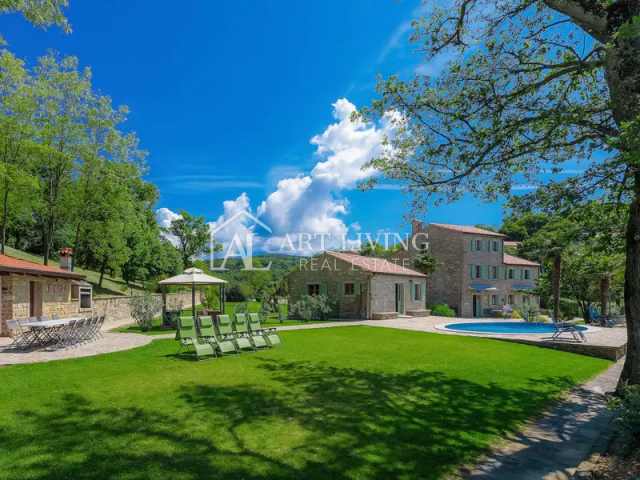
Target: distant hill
280	264
110	286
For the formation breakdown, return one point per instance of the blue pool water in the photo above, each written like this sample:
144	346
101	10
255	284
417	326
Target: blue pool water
505	327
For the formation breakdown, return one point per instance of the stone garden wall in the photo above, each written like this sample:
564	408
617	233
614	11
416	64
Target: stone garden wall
119	308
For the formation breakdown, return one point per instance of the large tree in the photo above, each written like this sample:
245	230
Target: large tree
192	234
529	86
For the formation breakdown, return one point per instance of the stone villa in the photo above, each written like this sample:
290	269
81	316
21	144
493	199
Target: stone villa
475	275
32	290
363	287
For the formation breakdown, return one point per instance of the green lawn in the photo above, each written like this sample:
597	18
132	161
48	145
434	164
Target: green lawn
230	309
339	403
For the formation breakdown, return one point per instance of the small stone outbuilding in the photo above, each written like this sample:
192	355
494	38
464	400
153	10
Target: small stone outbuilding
362	287
32	290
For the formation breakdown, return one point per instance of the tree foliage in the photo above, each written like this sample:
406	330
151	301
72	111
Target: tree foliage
529	85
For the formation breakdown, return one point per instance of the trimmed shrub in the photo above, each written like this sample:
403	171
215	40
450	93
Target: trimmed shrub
308	307
441	310
144	308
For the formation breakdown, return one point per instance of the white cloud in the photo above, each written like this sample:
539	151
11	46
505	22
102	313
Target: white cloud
312	203
164	217
396	40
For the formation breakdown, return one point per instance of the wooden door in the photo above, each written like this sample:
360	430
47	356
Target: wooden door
400	297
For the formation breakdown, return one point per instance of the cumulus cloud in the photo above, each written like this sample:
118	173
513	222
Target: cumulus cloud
164	217
311	204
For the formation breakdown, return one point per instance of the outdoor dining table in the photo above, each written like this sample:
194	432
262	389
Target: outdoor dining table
43	329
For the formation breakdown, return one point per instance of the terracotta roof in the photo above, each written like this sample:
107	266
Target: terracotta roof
467	229
15	265
509	243
511	260
376	265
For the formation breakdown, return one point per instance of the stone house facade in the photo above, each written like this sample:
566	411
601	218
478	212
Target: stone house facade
33	290
475	275
362	287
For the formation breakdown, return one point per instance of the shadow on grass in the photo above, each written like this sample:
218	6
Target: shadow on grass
310	421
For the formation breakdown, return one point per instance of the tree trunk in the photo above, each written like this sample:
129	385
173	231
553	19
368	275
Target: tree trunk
103	267
5	213
557	271
605	289
621	72
76	247
631	370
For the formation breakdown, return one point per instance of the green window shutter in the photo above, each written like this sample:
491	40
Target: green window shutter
483	245
303	289
473	244
500	274
356	288
340	288
413	291
473	271
484	271
323	289
422	291
515	273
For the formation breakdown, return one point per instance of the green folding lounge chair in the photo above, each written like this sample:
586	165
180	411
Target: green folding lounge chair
256	331
208	334
188	337
269	333
243	336
226	333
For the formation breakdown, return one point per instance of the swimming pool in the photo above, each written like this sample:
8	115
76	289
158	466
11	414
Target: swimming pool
506	327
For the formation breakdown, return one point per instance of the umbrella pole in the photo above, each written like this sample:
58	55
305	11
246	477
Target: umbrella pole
193	299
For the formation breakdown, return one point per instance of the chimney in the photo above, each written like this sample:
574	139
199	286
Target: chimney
66	258
416	226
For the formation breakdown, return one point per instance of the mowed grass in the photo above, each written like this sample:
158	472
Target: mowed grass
336	403
230	309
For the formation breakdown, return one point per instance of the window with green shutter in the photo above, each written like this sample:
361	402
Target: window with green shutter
340	288
422	291
323	289
356	288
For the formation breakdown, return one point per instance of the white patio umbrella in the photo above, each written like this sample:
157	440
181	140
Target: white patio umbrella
193	277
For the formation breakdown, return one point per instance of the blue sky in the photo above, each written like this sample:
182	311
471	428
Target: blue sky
227	96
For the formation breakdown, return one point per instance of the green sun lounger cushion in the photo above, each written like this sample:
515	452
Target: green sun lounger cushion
226	336
257	333
243	337
188	338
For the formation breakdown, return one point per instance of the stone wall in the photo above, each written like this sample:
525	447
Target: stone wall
119	308
330	271
383	293
53	297
445	284
450	283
